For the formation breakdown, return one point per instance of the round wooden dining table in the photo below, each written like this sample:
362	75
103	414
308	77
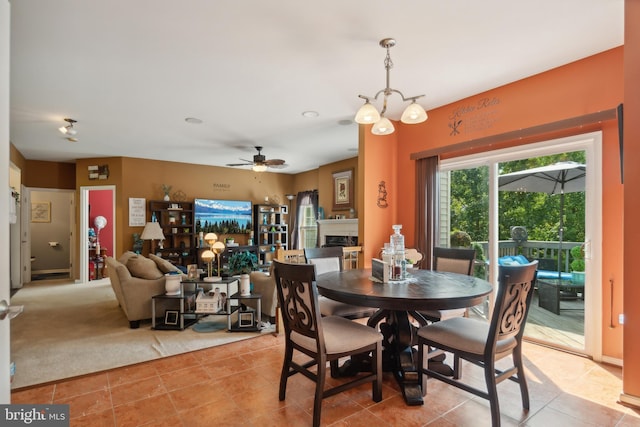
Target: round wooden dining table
397	303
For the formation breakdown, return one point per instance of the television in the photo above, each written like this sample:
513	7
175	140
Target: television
223	216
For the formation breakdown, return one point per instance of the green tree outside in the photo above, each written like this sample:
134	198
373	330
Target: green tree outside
539	213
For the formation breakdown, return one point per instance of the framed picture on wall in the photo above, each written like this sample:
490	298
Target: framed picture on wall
40	211
137	212
343	190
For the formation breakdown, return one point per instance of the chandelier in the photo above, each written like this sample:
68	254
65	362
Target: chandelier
368	114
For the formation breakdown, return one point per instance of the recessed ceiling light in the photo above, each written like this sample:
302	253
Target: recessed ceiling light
193	120
310	114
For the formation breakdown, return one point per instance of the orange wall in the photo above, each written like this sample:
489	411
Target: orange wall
631	371
586	86
378	161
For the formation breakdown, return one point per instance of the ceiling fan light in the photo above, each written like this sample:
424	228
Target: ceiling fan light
259	168
413	114
383	127
367	114
63	129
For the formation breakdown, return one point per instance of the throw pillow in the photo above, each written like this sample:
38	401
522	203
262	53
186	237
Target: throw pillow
164	265
125	257
144	268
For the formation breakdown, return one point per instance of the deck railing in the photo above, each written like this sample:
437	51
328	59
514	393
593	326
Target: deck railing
535	249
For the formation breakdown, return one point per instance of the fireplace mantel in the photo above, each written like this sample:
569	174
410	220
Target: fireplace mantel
337	227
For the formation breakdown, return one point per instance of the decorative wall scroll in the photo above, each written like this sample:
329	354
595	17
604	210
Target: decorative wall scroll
137	212
343	190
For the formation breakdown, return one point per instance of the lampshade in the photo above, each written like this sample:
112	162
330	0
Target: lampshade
152	231
367	114
382	127
413	114
210	238
259	168
207	256
217	247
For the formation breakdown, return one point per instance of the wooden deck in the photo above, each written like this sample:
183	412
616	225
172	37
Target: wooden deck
565	330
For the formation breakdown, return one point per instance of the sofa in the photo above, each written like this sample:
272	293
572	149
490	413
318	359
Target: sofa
135	279
547	268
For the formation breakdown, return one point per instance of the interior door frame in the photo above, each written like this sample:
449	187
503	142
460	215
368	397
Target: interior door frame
84	225
591	144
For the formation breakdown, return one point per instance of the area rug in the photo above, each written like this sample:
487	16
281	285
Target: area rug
71	329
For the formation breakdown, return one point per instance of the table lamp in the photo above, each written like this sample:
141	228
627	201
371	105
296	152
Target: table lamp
208	256
218	248
152	231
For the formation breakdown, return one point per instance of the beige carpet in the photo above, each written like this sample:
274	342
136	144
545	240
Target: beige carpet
68	330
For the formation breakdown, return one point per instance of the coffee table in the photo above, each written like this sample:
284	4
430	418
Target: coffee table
550	292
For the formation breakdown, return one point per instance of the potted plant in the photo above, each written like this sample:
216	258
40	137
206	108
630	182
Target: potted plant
243	263
460	239
577	264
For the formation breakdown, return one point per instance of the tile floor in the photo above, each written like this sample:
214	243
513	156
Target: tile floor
237	385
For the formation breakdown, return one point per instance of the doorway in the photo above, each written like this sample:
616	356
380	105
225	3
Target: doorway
48	232
97	229
486	169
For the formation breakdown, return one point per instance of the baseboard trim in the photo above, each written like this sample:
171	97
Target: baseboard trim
611	361
630	400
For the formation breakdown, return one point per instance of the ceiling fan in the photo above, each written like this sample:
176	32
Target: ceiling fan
260	162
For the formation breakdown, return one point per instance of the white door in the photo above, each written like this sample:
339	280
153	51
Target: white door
591	145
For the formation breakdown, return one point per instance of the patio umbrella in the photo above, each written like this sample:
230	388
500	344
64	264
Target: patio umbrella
558	178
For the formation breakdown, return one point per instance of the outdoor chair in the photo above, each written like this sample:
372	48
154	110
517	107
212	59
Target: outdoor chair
483	343
323	339
452	260
331	259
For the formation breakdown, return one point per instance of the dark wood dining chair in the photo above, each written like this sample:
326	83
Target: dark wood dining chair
331	259
323	339
452	260
483	343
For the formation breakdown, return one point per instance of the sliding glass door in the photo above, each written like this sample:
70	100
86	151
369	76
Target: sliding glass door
506	223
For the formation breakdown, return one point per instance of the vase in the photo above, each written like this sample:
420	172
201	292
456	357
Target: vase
245	285
167	198
172	284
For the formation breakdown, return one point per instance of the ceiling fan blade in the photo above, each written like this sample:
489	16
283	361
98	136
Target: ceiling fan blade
274	162
239	164
278	166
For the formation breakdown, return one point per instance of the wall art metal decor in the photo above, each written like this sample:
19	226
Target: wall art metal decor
382	195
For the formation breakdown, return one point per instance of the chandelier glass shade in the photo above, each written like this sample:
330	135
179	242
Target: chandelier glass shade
369	114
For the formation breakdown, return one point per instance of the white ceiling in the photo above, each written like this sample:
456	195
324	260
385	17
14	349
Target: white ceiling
131	71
